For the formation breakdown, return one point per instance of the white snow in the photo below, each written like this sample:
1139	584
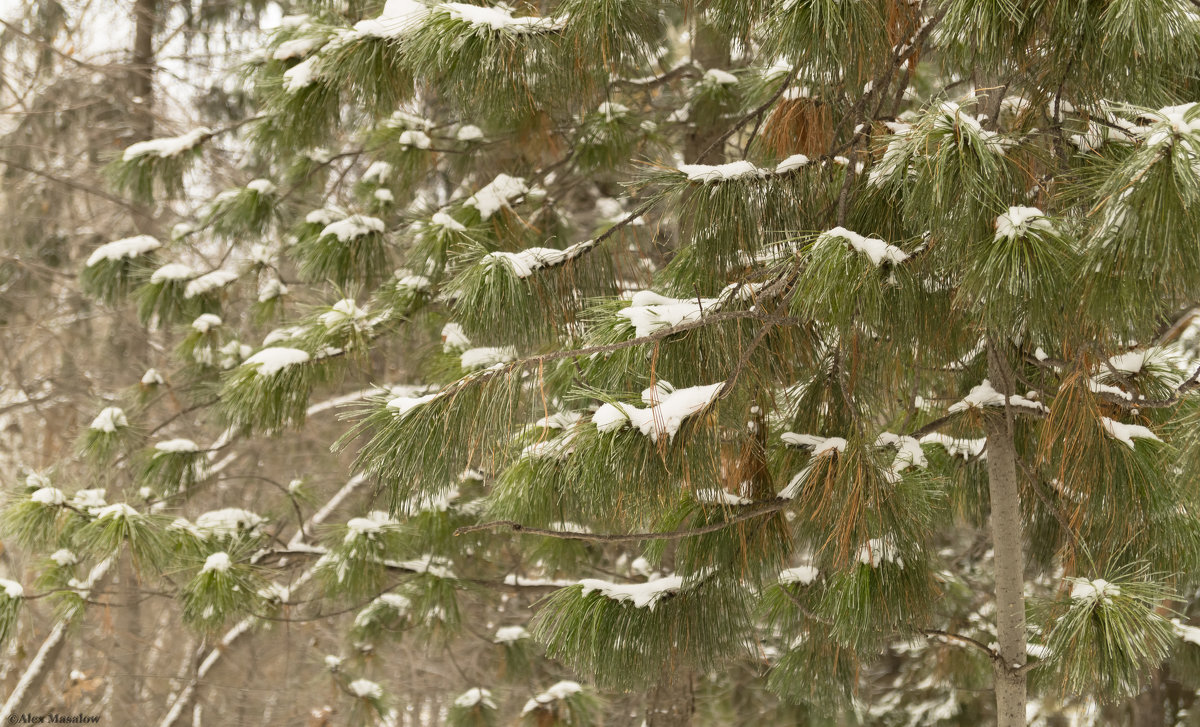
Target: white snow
496	18
171	271
641	595
470	132
441	219
366	689
803	575
301	75
1098	590
209	282
1020	220
11	589
63	557
270	289
414	138
116	510
876	250
110	419
965	448
378	173
984	395
206	322
397	19
500	192
175	446
352	227
879	550
511	634
217	562
345	310
48	496
716	496
404	404
1126	433
718	77
487	356
820	446
271	361
262	186
706	173
88	499
908	450
529	260
668	408
454	338
556	693
954	117
130	247
473	697
795	161
1190	634
227	521
323	216
167	146
559	420
650	312
384	195
295	48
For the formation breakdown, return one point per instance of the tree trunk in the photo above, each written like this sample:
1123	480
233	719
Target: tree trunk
1007	539
672	701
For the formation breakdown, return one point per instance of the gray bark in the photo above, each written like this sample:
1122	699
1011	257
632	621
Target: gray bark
1007	540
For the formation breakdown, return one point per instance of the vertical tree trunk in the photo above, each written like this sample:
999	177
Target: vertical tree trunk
1007	539
672	701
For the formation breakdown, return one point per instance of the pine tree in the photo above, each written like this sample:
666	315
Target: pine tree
818	362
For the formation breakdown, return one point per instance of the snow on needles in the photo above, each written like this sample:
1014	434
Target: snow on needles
498	193
1097	591
167	147
876	250
130	247
353	227
527	261
496	18
986	395
398	17
668	408
1126	433
555	693
109	420
1020	220
641	595
650	311
271	361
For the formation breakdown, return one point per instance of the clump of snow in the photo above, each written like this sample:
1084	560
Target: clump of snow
130	247
529	260
1173	121
717	496
217	562
510	634
952	117
378	173
1097	591
295	48
668	408
89	500
717	77
820	446
206	322
792	163
227	521
441	219
11	589
398	18
367	527
109	420
271	361
321	217
301	75
556	693
117	511
474	697
879	550
175	446
496	18
167	146
500	192
470	132
414	138
63	557
706	173
1126	433
803	575
171	271
559	420
1020	220
48	496
908	450
262	186
1190	634
454	338
985	395
965	448
486	357
612	110
353	227
366	689
876	250
641	595
271	289
209	282
404	404
344	311
650	312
